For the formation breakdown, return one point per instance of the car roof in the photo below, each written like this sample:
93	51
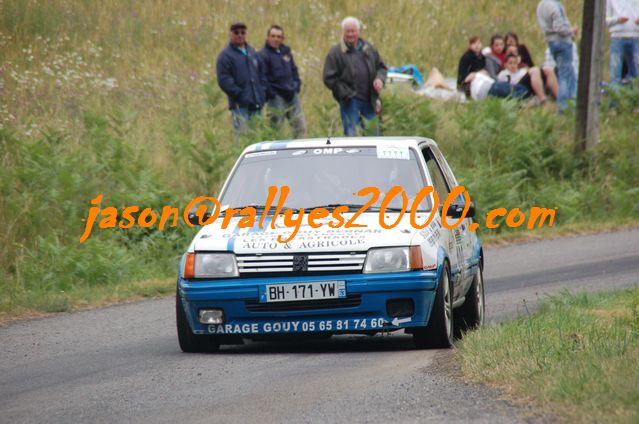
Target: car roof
413	142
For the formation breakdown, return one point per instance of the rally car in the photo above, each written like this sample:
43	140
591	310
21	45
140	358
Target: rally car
253	277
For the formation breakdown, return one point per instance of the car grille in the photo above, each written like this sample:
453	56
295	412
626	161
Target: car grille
300	264
304	305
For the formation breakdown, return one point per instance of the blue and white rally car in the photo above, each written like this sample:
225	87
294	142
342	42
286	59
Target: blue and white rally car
269	265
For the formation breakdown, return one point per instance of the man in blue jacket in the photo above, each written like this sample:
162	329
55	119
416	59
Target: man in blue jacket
283	82
240	76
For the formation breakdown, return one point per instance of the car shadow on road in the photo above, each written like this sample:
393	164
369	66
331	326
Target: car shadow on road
336	344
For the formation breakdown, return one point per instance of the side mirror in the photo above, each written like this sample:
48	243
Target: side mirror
193	219
455	210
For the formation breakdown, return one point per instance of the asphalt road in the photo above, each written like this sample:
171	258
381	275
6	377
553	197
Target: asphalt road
123	364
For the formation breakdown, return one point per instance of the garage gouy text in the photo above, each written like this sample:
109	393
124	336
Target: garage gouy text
294	219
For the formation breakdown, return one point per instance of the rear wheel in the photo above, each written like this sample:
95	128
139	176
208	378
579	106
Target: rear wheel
439	332
470	314
190	342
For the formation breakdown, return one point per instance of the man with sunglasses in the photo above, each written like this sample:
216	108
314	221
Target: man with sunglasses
240	76
283	82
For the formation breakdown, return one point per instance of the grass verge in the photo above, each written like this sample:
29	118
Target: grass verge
577	357
79	298
489	239
120	99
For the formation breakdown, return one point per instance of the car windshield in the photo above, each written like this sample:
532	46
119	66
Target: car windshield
327	176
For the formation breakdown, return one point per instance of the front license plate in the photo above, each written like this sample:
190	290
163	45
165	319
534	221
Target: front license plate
303	291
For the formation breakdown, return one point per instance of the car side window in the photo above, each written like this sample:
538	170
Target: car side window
439	182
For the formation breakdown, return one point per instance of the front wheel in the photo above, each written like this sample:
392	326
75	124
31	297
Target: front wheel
471	313
189	342
439	331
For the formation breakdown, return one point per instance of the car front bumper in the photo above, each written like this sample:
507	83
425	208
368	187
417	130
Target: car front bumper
363	311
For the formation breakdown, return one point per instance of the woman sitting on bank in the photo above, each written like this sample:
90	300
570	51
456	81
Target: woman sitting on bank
548	75
527	82
495	56
548	82
471	61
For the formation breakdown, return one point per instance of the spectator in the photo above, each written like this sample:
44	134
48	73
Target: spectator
622	17
495	56
355	73
559	34
548	80
548	75
471	61
528	80
283	82
482	86
550	63
511	39
239	75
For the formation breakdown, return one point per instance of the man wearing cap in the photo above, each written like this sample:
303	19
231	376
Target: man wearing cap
283	82
355	73
240	76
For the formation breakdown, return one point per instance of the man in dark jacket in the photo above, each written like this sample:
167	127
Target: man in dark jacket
240	76
355	73
283	82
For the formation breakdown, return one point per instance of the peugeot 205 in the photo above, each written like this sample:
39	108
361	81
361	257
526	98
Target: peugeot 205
333	236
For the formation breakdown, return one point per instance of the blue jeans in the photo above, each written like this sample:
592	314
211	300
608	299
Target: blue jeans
241	116
352	112
562	54
279	109
504	89
621	48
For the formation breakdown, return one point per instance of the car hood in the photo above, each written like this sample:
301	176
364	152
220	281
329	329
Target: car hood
254	240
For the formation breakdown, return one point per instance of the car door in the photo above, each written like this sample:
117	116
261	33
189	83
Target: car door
451	239
466	238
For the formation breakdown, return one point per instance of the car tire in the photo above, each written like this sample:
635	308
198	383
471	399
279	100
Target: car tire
189	342
439	331
472	312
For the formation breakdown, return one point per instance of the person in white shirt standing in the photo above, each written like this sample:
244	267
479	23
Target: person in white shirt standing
622	17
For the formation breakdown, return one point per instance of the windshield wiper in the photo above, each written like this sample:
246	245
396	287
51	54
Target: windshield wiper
352	207
262	207
255	206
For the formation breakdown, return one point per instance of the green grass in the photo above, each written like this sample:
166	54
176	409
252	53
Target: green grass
577	357
119	98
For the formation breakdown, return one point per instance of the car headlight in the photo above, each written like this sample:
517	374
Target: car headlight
210	265
388	259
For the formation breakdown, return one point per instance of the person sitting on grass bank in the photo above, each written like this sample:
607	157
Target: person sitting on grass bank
548	75
283	82
355	73
525	81
537	82
495	56
240	76
473	78
472	61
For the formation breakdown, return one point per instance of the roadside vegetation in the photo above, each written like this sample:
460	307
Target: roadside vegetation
578	356
119	98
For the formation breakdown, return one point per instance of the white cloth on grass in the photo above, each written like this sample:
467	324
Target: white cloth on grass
480	86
